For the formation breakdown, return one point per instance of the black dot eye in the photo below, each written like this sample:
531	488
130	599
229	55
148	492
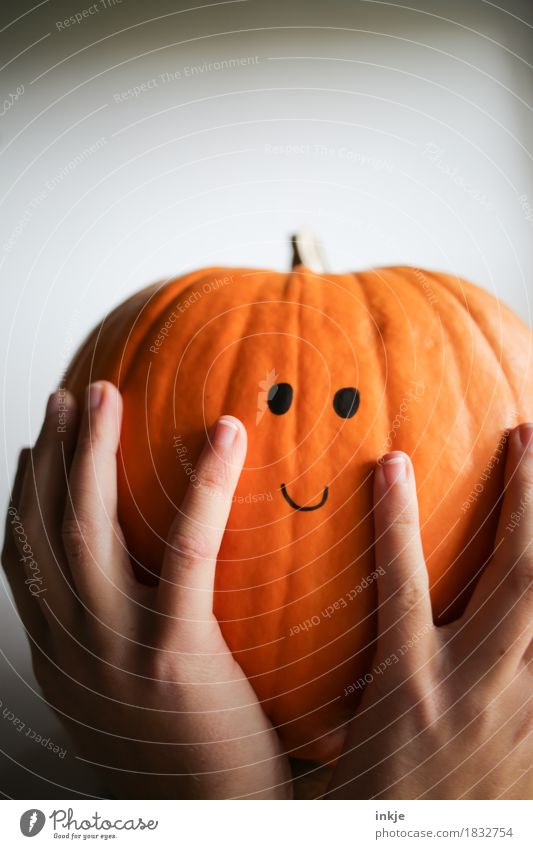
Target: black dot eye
280	398
346	402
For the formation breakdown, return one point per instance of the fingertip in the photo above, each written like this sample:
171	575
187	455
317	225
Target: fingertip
519	453
60	417
228	433
99	392
112	396
234	422
393	469
93	396
395	495
24	456
103	399
523	435
110	389
60	401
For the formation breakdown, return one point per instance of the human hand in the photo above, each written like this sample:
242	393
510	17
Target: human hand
450	717
141	676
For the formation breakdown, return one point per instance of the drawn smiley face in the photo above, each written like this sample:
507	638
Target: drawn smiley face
345	404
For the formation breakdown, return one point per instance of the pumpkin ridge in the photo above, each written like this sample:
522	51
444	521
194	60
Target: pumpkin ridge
244	331
157	321
453	358
501	360
446	285
360	278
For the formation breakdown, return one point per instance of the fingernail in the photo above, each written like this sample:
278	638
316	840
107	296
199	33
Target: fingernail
53	404
94	395
225	433
394	468
526	432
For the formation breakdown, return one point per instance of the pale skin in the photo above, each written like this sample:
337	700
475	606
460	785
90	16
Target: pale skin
452	718
143	678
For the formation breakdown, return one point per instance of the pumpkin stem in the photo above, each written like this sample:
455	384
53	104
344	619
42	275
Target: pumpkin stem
307	250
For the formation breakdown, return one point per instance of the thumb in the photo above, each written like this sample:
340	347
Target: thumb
404	613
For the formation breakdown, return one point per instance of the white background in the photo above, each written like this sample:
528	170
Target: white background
185	175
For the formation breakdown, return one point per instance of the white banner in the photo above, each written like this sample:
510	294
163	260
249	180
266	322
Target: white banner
267	825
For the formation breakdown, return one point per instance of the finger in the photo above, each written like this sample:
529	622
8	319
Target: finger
404	613
499	617
42	502
27	606
185	591
10	547
91	533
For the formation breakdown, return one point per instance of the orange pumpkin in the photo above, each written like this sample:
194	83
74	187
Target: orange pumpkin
327	372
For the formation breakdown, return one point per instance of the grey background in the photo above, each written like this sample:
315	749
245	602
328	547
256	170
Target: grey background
100	197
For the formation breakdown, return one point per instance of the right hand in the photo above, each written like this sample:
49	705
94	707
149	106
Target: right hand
451	717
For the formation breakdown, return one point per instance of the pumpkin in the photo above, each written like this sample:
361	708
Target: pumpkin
327	372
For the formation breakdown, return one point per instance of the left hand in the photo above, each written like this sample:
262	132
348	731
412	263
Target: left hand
141	676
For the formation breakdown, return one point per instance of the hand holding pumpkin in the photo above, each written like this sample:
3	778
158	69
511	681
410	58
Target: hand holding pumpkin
141	676
147	685
327	372
450	717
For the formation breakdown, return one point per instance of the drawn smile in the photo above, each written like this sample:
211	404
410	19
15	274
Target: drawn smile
296	506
